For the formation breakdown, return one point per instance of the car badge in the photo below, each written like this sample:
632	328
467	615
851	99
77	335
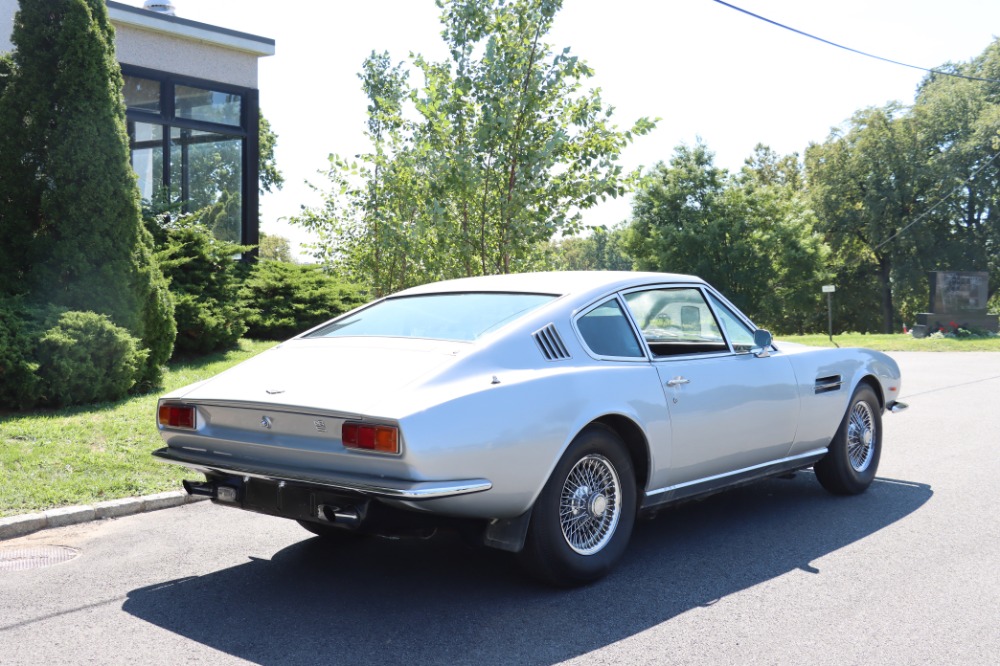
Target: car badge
275	392
320	425
265	422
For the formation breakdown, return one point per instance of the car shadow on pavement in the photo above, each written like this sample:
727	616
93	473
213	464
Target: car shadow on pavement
438	601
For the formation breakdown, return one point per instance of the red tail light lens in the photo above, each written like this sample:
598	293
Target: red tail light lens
384	439
177	416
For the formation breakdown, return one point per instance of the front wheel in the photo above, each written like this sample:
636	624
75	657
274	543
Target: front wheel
849	466
583	518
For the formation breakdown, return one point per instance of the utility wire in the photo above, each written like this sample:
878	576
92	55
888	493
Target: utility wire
939	202
848	48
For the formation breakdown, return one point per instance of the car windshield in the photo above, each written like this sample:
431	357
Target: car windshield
464	317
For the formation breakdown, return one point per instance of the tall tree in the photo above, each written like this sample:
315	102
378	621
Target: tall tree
960	119
867	186
750	235
69	204
507	151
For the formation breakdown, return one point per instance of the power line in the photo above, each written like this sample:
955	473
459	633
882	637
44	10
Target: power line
938	203
848	48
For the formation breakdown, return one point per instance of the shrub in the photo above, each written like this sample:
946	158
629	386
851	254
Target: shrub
20	387
203	273
87	358
282	299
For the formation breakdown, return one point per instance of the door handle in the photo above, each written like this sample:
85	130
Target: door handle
677	381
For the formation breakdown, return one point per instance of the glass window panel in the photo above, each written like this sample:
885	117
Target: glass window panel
142	94
207	105
739	333
676	321
608	333
147	158
463	316
207	171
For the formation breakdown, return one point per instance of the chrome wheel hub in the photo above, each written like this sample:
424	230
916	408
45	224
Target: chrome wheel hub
590	504
861	437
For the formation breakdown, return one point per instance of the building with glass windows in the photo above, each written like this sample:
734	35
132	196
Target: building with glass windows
192	110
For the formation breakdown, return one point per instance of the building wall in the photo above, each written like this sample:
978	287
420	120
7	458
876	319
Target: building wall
144	48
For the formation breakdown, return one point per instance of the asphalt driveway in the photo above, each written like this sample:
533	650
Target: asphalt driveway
775	573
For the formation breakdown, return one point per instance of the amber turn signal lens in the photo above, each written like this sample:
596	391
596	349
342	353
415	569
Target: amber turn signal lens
177	416
384	439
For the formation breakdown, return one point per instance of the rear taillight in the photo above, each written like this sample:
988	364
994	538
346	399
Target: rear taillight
178	416
384	439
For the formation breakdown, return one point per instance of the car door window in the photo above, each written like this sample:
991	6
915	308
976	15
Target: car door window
739	334
606	331
676	321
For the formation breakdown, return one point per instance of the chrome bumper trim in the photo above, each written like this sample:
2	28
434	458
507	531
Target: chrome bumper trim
370	486
897	407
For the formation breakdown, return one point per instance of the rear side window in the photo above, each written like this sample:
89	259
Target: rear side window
607	332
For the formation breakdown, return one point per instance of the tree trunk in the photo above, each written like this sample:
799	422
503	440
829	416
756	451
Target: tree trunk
885	268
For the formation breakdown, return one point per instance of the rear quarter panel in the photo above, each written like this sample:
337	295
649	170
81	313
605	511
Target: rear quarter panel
515	431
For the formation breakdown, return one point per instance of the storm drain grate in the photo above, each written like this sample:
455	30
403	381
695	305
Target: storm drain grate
34	557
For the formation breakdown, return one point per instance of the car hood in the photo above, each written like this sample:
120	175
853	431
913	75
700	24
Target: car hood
341	375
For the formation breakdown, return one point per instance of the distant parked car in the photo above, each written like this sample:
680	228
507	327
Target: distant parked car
537	413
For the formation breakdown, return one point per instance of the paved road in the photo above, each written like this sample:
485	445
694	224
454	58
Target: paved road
776	573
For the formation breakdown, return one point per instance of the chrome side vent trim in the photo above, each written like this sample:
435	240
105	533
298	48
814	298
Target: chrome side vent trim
550	343
828	384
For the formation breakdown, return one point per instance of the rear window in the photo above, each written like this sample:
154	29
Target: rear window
464	317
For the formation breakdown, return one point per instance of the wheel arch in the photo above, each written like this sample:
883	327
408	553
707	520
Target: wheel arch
876	387
635	443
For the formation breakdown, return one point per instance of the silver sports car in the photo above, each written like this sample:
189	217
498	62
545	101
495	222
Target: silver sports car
536	413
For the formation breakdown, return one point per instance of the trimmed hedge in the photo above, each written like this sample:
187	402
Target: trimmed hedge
204	280
52	357
282	299
20	386
86	358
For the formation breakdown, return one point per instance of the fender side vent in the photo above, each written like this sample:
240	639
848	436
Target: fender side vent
828	384
550	344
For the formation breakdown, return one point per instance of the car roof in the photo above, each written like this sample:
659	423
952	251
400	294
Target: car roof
559	283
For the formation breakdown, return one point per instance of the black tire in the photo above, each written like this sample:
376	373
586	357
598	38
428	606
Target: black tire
577	531
329	532
849	466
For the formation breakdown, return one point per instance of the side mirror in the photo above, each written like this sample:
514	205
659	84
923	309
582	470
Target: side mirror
761	341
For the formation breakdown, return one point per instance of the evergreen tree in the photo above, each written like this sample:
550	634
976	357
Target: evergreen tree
69	204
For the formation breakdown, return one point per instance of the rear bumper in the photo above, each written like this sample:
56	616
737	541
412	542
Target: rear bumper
398	489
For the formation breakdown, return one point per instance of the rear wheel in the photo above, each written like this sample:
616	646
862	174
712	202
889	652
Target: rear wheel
850	464
583	518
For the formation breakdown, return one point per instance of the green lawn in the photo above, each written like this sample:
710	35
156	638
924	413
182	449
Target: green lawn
897	342
89	454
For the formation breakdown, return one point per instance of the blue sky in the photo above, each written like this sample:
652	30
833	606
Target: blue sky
704	69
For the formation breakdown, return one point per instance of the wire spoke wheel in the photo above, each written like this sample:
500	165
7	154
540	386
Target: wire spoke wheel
590	504
861	436
851	461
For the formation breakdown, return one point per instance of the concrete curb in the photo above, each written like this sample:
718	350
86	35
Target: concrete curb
17	526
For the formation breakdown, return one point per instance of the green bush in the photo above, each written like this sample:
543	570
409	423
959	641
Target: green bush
20	386
282	299
204	279
87	358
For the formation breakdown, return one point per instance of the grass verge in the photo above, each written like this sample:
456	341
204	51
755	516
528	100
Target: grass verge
94	453
897	342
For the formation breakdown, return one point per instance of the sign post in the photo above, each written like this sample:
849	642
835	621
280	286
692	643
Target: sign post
828	289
